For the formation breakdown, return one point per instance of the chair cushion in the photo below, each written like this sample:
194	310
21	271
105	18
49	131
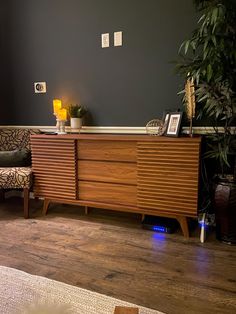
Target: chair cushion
15	178
15	158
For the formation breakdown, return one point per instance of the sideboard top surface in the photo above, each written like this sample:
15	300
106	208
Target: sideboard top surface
118	137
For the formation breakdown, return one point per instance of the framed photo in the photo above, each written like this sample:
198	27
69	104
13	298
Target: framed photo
173	127
165	120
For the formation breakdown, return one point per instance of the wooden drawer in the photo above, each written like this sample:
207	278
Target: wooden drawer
108	193
104	171
107	150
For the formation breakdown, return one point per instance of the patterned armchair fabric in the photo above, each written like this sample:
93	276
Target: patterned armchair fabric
11	139
16	177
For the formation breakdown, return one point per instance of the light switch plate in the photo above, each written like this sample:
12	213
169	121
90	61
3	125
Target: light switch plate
40	87
118	40
105	40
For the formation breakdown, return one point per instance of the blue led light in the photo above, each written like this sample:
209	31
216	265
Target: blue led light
159	228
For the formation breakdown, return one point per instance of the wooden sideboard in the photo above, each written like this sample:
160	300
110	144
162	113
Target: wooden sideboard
135	173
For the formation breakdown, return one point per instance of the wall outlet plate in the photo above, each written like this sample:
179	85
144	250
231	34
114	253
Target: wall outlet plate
105	40
40	87
118	40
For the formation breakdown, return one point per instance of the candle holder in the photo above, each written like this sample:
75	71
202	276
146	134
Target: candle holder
57	123
61	115
61	128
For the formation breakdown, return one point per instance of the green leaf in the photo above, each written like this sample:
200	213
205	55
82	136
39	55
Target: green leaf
181	92
201	18
181	47
203	98
205	49
213	38
209	72
193	44
186	46
214	16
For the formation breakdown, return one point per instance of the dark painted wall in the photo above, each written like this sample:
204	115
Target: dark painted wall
4	65
58	41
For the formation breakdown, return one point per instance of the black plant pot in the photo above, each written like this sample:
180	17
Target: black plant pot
225	210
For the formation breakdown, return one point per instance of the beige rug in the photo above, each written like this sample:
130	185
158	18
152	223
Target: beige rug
20	290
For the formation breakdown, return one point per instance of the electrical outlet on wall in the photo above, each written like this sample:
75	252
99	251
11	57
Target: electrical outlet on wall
118	40
40	87
105	40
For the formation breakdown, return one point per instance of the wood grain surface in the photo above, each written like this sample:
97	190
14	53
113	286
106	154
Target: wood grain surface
150	174
168	176
108	252
107	150
54	167
110	193
126	310
113	172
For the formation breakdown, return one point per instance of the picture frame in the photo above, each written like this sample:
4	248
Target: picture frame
173	127
165	120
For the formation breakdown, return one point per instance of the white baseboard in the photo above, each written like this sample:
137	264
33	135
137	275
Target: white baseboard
112	129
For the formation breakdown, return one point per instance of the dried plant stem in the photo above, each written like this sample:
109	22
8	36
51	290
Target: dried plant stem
190	102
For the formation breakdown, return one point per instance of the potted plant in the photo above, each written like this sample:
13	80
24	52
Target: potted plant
76	113
208	58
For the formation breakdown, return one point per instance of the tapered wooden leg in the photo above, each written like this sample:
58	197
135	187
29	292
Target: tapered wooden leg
86	210
2	195
184	225
143	217
26	203
45	206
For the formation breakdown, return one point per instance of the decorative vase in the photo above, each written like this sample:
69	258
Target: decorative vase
76	123
225	210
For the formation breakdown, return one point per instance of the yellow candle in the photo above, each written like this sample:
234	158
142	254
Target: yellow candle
62	114
56	105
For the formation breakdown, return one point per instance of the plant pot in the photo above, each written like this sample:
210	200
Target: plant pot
225	210
75	123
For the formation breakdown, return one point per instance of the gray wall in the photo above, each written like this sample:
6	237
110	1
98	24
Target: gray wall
58	41
4	66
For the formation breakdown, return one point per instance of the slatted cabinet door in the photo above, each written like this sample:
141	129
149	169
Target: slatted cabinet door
168	176
54	168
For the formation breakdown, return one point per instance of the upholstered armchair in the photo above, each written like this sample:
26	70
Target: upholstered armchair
15	162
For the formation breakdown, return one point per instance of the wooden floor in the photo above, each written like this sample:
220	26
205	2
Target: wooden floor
110	253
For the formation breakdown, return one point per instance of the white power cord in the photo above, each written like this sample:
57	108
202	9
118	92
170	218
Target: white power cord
203	228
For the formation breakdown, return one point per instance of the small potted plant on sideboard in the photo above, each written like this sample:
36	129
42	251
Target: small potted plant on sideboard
76	113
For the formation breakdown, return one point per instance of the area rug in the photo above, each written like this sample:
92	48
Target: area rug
21	293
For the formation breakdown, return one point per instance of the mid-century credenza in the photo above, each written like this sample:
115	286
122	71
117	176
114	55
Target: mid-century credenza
144	174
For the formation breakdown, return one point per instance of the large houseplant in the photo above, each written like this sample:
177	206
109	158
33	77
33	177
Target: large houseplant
208	58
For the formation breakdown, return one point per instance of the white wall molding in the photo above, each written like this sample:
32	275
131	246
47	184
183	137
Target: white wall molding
112	129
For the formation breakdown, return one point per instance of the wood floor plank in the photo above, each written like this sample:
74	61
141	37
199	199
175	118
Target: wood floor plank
110	253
